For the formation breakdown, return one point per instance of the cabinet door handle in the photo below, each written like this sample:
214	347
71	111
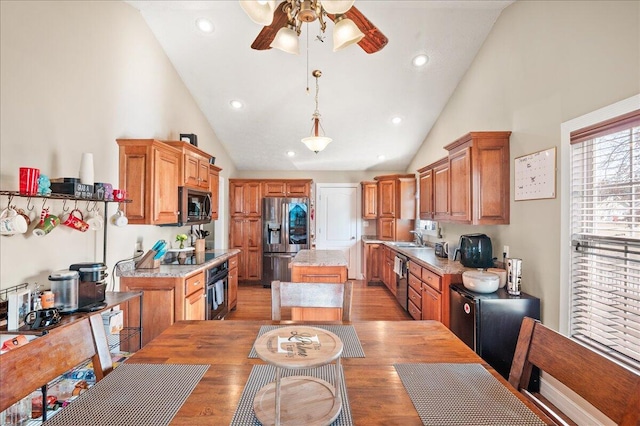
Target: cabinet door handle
196	283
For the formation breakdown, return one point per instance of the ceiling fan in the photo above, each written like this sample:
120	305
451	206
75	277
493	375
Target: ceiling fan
283	23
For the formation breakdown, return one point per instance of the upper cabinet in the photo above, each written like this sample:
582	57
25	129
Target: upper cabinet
244	198
194	168
150	173
471	185
286	188
214	187
396	199
369	200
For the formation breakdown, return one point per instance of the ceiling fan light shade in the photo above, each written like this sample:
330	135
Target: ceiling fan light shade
345	33
337	6
260	12
286	40
316	143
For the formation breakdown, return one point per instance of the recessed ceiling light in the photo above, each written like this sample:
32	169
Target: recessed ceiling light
204	25
381	157
291	153
396	120
236	104
420	60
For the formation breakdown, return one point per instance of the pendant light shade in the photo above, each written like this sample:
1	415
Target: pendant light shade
337	6
260	11
345	33
316	143
286	40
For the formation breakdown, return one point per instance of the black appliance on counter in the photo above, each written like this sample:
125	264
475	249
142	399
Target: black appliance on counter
91	286
217	292
475	251
489	323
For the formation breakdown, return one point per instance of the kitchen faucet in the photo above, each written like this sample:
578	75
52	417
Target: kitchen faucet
418	237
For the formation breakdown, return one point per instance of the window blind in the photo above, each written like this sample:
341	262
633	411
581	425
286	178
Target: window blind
605	226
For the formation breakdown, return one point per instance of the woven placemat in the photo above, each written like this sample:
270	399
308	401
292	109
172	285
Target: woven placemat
264	374
133	395
346	333
462	394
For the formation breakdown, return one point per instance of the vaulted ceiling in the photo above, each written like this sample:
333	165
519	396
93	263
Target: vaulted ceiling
359	94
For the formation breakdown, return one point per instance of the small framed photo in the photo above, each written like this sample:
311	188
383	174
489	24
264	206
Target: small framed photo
189	137
19	307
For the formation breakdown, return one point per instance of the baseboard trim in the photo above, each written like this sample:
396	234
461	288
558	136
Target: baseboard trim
571	404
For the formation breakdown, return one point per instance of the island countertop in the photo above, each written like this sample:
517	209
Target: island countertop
319	258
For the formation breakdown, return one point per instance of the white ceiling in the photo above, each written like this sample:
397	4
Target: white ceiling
359	93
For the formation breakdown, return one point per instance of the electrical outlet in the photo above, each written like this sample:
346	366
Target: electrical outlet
505	250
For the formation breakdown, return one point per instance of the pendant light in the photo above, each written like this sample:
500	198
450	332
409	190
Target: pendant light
317	141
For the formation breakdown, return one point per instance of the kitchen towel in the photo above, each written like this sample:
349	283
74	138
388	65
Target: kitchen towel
219	287
462	394
397	266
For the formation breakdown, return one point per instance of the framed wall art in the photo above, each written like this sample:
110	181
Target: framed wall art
535	175
19	306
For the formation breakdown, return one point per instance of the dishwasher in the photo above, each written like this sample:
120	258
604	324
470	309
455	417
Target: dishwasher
401	268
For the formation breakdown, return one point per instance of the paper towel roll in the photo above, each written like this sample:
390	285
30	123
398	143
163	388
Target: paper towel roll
86	169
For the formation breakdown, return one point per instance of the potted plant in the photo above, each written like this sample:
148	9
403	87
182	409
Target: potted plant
181	238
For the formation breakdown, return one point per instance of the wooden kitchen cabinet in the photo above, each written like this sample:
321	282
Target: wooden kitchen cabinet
479	182
149	171
396	206
195	165
232	279
369	200
388	276
441	190
214	187
426	193
373	255
245	234
245	198
165	300
431	304
286	188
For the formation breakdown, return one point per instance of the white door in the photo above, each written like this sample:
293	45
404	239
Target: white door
337	221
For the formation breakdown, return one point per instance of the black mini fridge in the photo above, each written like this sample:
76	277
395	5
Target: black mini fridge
489	323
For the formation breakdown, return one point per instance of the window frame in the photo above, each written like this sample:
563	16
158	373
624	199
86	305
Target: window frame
605	114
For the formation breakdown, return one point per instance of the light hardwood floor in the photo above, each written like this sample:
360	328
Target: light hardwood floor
369	303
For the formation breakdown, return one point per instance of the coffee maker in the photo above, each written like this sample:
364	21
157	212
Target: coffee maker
91	286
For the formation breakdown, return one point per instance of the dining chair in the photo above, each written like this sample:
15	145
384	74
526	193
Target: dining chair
310	295
32	366
606	384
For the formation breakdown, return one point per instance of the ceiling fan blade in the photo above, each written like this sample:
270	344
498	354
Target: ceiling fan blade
268	33
373	40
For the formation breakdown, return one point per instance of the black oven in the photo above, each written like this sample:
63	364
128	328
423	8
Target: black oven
194	207
217	292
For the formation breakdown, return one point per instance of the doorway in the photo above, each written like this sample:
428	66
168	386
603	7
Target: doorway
338	221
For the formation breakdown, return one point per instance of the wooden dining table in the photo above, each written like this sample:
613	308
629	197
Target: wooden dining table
375	391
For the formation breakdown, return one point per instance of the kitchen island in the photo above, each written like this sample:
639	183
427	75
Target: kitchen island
318	266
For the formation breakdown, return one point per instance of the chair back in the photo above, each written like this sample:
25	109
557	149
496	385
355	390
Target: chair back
29	367
311	295
606	384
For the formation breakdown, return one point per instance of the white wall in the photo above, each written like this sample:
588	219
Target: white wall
543	63
74	77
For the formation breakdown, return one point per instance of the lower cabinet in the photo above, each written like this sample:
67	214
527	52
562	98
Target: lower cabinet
233	282
318	274
165	300
431	304
373	254
388	276
429	293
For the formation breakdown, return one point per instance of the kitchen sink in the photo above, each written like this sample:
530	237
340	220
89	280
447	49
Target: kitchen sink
403	244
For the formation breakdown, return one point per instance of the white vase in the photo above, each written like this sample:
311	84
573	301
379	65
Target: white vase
86	169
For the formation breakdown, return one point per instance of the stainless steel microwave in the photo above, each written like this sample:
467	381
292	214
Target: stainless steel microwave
194	206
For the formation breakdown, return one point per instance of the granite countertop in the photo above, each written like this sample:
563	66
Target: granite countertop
319	258
128	270
424	256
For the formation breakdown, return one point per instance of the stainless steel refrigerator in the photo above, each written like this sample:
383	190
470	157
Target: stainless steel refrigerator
489	324
285	231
